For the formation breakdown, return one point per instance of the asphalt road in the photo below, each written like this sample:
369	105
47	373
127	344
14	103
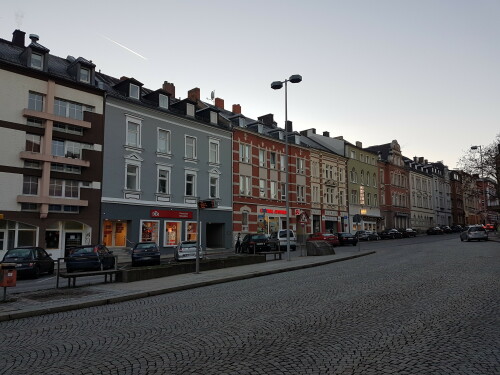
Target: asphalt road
428	305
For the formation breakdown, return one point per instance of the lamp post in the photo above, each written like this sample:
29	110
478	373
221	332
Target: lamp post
483	182
276	85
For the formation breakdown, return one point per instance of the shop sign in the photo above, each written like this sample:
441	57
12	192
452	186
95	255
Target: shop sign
271	211
171	214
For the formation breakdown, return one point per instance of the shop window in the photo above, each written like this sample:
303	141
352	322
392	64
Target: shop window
191	231
149	231
52	239
172	233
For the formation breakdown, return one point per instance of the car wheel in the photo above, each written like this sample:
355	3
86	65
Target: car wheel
51	270
36	272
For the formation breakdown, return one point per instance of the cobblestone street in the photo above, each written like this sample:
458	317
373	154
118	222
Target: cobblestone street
411	308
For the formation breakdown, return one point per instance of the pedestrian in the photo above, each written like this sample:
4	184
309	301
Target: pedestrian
237	247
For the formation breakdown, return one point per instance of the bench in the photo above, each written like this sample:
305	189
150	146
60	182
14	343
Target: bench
277	254
74	275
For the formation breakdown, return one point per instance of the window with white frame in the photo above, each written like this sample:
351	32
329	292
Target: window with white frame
245	153
328	171
273	189
262	188
190	147
374	180
330	195
213	151
132	176
245	185
84	75
375	200
315	194
367	179
369	199
133	132
262	158
37	60
35	101
134	91
30	185
63	188
272	160
163	141
341	197
314	169
163	101
163	180
301	193
353	154
214	186
214	116
282	162
190	184
33	142
362	177
244	219
354	176
354	197
189	110
65	108
301	166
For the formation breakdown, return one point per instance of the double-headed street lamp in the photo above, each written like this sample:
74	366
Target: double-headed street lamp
276	85
483	182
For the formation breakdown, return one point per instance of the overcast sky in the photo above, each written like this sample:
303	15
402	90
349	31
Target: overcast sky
423	72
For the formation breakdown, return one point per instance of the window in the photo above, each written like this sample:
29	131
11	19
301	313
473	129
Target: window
213	152
283	192
73	149
213	117
367	178
72	110
56	187
133	134
300	166
353	154
35	101
362	177
245	153
84	75
163	141
245	185
133	91
244	219
214	187
262	188
369	199
163	101
282	162
132	177
37	60
70	129
64	188
354	196
29	207
375	200
32	164
273	189
374	180
315	194
30	185
58	148
33	143
341	197
329	195
262	158
354	176
190	186
301	193
272	160
71	189
190	147
189	110
163	181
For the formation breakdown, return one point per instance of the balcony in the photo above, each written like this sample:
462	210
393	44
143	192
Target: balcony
51	117
54	159
52	200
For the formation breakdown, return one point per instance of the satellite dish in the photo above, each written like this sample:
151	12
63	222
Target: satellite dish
212	95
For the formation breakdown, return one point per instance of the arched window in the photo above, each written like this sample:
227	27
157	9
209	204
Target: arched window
362	179
374	180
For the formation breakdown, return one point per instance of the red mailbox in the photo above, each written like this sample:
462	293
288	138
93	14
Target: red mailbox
8	274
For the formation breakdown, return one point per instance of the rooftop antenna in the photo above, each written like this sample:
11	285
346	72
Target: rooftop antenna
212	96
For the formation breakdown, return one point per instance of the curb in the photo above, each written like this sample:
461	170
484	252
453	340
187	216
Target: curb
137	295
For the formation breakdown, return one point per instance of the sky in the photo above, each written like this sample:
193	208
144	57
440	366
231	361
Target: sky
423	72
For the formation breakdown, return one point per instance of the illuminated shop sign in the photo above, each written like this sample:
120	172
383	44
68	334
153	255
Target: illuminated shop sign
271	211
171	214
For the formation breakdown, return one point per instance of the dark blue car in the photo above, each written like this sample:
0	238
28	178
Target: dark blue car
30	260
145	253
90	258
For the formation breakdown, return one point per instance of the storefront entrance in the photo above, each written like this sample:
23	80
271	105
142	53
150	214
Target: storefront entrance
3	236
115	233
215	235
71	240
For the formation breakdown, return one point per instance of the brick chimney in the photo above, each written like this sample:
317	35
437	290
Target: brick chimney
194	94
237	109
18	38
267	119
326	134
219	103
169	87
359	144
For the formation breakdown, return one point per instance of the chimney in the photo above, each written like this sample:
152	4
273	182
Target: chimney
18	38
289	127
219	103
170	88
123	78
194	94
237	109
34	38
415	159
359	144
267	119
326	134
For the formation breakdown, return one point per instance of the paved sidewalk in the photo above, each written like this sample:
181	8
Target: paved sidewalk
51	301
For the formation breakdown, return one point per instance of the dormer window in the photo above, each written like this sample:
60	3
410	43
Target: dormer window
133	91
190	110
163	101
213	117
84	75
37	60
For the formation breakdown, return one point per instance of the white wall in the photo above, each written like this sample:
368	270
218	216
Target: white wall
12	142
10	187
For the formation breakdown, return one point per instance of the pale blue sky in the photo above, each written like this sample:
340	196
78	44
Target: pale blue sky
424	72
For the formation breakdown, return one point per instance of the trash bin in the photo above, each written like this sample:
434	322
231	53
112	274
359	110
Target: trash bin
8	274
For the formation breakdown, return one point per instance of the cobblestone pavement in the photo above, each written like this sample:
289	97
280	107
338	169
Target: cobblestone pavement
409	309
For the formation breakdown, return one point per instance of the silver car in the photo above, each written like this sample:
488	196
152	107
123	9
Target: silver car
186	250
475	232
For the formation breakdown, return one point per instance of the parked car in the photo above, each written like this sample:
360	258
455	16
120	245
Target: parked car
90	258
367	235
328	237
446	229
476	232
281	237
258	242
146	253
390	234
408	232
186	250
30	260
346	238
457	228
435	230
489	227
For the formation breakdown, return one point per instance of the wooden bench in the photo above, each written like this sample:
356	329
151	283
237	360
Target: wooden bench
74	275
277	254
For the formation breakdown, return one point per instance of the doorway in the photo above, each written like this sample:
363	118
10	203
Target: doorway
71	240
2	239
215	235
115	233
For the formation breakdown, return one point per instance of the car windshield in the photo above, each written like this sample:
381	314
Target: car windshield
256	237
477	229
188	244
145	246
18	253
83	250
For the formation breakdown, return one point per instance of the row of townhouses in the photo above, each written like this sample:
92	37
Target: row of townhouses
90	158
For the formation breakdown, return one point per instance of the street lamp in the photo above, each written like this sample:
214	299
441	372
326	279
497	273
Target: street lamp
276	85
483	182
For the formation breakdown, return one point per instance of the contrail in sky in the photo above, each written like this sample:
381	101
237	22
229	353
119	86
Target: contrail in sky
128	49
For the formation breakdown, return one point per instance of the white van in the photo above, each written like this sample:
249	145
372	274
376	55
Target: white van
281	236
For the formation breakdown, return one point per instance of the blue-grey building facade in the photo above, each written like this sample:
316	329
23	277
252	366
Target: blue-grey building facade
161	156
